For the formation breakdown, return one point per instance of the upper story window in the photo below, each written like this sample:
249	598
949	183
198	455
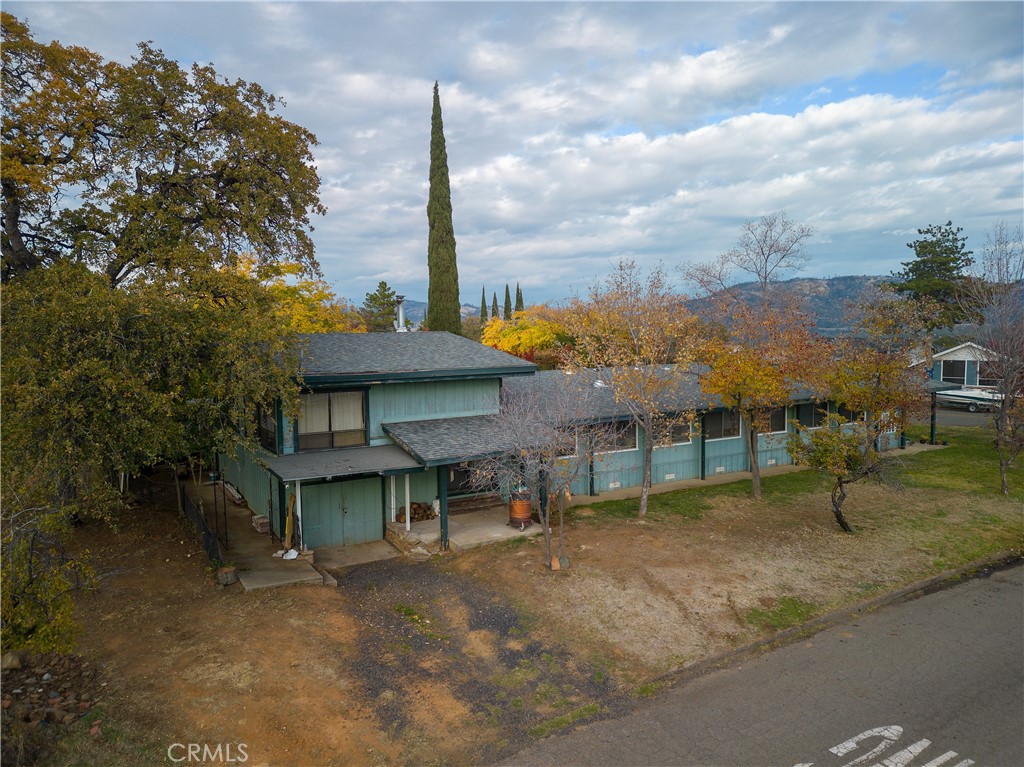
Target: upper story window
332	419
266	422
954	371
721	424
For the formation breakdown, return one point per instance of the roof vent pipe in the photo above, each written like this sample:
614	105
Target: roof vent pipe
400	322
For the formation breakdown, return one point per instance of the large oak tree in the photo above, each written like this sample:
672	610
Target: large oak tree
142	204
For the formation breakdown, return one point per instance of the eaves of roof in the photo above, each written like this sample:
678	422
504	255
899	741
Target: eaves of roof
336	379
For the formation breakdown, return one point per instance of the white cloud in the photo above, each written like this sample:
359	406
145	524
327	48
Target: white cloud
581	133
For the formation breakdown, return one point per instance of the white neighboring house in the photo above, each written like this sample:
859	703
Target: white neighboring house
965	376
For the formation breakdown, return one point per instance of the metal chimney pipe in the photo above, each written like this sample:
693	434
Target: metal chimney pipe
400	322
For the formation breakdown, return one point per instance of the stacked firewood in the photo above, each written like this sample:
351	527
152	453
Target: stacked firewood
420	512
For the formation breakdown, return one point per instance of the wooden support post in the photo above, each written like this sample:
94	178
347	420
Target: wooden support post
934	419
408	506
442	494
394	491
703	448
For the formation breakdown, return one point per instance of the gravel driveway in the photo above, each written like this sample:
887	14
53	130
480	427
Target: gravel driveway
447	665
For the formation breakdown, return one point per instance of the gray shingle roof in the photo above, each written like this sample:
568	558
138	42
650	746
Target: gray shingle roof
404	356
449	440
600	400
588	387
347	462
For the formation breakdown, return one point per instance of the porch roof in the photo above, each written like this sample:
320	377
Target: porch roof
337	464
450	440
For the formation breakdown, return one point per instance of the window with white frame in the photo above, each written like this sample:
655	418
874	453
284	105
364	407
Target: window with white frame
681	433
332	419
677	433
777	421
721	424
848	415
616	437
954	371
988	374
810	415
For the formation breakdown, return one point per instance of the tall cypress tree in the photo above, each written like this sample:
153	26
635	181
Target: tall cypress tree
494	305
508	304
483	307
519	298
443	290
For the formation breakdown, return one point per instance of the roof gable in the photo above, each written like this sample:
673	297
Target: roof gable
366	357
968	350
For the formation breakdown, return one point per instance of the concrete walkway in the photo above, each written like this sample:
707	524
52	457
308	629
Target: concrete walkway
253	553
249	551
465	531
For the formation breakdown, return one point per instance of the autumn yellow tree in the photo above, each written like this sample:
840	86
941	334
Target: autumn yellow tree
535	333
636	334
759	363
308	304
877	392
762	352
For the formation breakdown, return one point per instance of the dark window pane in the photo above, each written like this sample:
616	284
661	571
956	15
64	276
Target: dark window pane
809	414
721	424
954	371
988	374
317	441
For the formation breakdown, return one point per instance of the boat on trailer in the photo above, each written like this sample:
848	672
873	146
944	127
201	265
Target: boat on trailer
970	398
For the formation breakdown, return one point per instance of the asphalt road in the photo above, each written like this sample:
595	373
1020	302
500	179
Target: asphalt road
938	681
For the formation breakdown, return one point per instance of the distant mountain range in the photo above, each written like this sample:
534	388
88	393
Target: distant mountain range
827	299
416	311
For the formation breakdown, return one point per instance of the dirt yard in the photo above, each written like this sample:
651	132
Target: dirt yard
465	659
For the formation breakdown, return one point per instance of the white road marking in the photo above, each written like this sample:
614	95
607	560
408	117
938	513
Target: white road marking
890	735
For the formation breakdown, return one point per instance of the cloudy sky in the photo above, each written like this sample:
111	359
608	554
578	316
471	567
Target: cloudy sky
580	134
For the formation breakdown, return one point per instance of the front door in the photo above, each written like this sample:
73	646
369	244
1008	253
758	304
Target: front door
342	513
460	480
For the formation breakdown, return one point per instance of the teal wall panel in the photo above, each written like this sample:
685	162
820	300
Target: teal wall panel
972	373
257	486
671	464
724	456
342	513
617	470
391	403
771	450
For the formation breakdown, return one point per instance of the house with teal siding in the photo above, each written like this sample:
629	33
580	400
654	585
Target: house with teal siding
386	419
389	419
711	445
965	365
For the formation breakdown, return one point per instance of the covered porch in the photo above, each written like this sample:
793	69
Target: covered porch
471	522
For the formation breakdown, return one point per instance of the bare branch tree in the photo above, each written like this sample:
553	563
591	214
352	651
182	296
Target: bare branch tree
636	334
995	293
767	247
546	439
